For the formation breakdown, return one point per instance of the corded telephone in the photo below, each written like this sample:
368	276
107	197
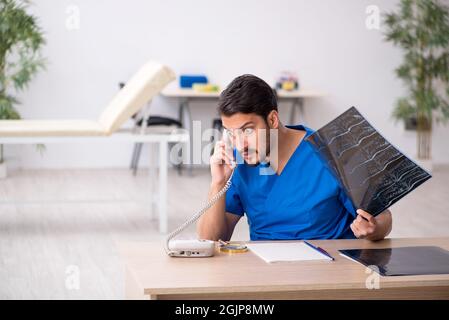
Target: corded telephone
201	247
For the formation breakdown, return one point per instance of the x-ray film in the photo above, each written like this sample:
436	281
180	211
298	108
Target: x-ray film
373	173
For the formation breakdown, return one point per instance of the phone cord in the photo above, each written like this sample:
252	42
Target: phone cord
209	204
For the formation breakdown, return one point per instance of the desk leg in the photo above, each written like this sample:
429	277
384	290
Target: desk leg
152	176
184	112
163	149
298	104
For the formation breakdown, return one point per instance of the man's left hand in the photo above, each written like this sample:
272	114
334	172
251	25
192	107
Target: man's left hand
365	226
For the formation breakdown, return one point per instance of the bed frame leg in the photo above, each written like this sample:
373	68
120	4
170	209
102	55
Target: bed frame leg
163	166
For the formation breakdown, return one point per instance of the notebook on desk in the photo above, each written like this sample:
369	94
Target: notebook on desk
285	251
402	261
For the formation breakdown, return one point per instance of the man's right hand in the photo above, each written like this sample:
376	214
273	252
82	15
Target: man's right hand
221	163
216	223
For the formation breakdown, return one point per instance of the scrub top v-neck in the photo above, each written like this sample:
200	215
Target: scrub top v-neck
304	201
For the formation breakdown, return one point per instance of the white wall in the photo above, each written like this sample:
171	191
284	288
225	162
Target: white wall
325	41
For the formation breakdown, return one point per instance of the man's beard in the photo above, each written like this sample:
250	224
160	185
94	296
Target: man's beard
255	153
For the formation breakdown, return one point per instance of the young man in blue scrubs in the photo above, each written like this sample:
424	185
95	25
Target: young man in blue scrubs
299	200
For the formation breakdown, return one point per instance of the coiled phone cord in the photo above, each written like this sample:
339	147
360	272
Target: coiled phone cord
208	205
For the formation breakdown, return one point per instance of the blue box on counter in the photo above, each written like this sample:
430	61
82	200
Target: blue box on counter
187	81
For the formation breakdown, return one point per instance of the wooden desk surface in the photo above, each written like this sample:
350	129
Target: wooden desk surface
174	92
152	274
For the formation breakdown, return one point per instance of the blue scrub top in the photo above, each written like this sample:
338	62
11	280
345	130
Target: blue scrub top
304	202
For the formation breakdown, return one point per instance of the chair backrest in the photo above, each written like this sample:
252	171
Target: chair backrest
142	87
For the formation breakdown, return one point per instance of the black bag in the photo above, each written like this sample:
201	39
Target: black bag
158	120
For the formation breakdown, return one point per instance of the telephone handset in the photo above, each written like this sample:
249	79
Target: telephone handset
201	247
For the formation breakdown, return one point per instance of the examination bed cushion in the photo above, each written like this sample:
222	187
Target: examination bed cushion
141	88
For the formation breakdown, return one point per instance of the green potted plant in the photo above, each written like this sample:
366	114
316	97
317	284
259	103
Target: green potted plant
21	40
421	29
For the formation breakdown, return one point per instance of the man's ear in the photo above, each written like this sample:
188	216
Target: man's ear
273	119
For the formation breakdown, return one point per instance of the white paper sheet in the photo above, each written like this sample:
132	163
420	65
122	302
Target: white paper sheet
286	251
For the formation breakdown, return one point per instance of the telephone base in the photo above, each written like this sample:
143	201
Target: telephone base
192	248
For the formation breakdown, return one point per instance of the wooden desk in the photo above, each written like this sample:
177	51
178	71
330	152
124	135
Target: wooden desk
176	92
150	274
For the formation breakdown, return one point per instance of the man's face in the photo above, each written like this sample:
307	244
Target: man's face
250	135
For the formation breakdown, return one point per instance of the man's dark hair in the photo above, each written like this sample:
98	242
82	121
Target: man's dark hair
248	94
